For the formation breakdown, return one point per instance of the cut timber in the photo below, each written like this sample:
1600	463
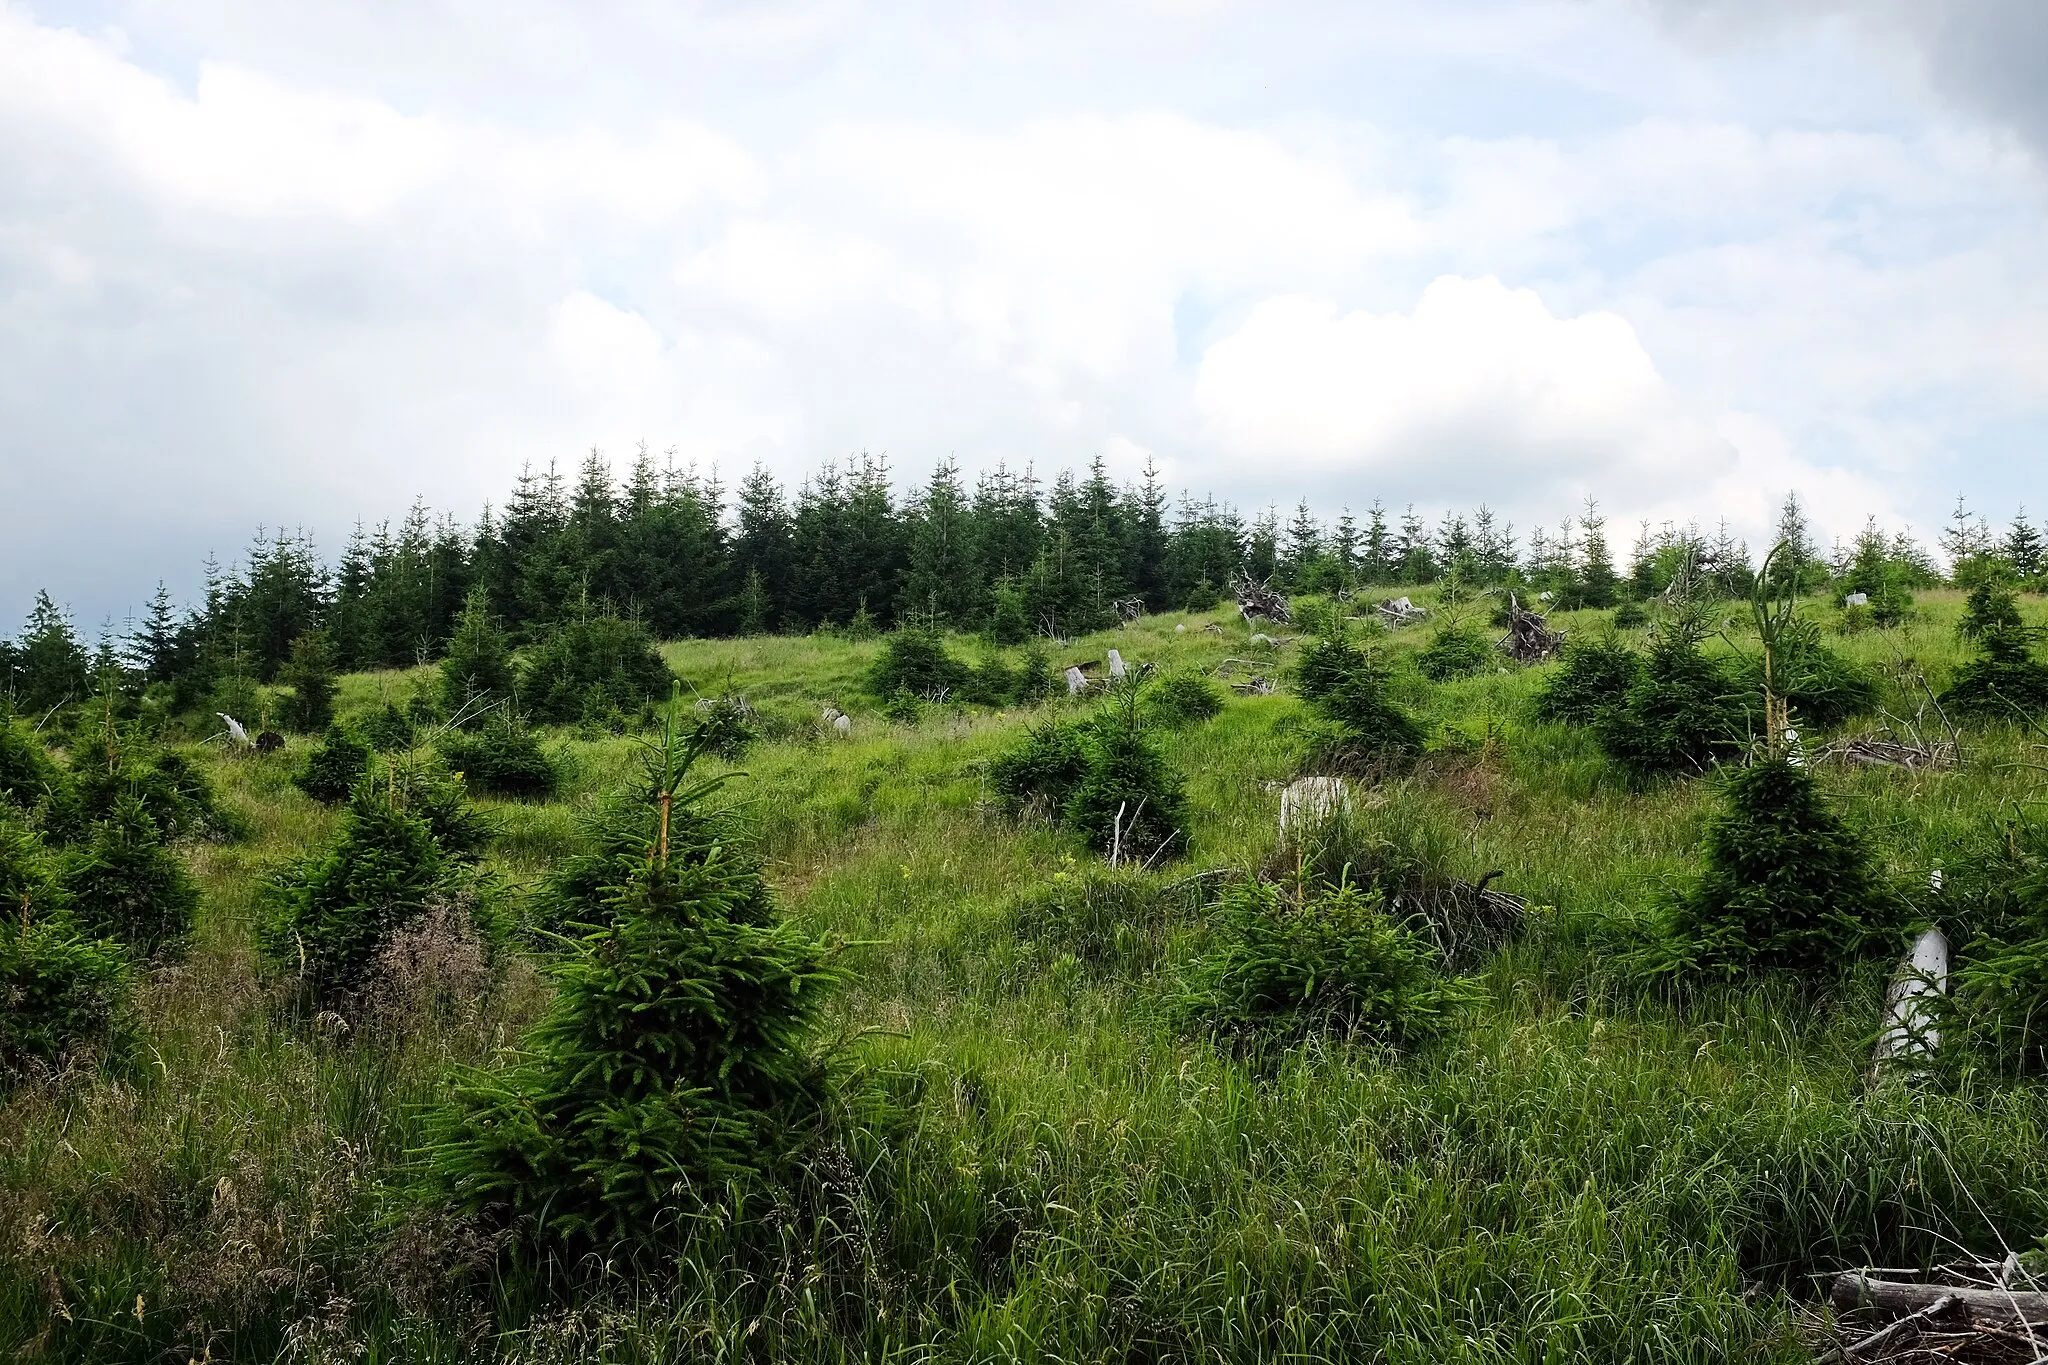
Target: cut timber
1983	1305
1077	682
1116	664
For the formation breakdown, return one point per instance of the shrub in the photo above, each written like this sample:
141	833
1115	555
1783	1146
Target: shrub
916	662
1785	884
116	761
1035	678
2005	680
1042	770
60	994
476	673
1129	801
1999	988
309	672
576	893
503	757
28	776
673	1062
1290	963
328	917
1181	699
29	886
1593	678
592	667
1324	663
1318	616
1631	616
1991	609
389	730
1822	688
1364	728
903	707
1681	714
1454	651
723	726
332	770
125	885
989	683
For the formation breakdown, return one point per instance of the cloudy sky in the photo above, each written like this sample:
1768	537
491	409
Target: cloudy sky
297	264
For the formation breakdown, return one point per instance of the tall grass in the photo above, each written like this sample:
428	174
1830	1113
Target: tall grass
1028	1163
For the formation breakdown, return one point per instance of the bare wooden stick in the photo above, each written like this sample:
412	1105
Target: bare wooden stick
1885	1334
1995	1305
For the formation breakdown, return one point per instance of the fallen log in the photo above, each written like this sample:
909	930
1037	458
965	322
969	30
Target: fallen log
1983	1305
1885	1334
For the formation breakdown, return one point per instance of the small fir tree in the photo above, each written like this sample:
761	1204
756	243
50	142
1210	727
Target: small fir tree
309	673
502	757
328	916
126	886
1294	961
1454	651
1130	803
477	670
1599	586
674	1061
65	995
594	667
1592	679
50	666
1681	713
1785	886
334	768
916	662
2023	549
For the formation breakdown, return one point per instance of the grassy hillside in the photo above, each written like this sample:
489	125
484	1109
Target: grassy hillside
1028	1161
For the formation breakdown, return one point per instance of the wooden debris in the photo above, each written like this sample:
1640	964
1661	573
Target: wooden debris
1529	640
1260	600
1077	681
1116	664
1980	1303
1978	1310
1876	750
1259	684
1401	612
1128	609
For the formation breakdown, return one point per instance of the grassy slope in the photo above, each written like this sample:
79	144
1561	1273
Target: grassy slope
1580	1176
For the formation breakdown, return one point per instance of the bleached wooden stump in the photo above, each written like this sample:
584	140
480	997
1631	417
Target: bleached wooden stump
1910	1032
1308	802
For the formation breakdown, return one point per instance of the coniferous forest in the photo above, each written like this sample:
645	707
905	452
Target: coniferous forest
1035	921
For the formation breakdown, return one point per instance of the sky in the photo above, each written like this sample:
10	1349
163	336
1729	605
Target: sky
268	265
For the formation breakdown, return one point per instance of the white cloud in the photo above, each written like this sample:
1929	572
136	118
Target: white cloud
281	267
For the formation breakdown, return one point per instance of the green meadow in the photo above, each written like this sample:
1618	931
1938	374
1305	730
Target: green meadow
1025	1159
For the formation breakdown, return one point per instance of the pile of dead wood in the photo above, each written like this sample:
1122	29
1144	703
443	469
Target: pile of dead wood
1259	683
1981	1311
1258	598
1529	640
1877	750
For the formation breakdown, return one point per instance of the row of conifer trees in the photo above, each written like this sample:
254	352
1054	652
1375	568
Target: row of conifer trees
682	554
